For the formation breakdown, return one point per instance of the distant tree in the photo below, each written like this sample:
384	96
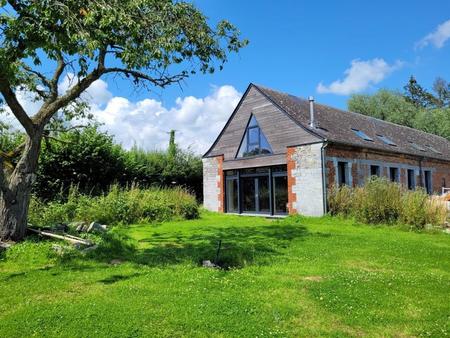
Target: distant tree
385	105
417	95
415	108
154	43
442	89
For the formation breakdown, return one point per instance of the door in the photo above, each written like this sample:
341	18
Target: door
256	194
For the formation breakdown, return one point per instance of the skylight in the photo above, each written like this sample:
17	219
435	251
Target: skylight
416	146
386	140
362	135
434	150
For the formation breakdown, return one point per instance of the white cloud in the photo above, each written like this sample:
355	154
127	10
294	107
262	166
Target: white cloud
146	123
436	38
360	76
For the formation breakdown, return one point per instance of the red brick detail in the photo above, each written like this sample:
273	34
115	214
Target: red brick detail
292	197
220	184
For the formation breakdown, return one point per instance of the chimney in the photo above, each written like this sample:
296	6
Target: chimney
312	123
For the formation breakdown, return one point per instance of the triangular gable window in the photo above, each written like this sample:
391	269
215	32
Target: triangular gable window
254	142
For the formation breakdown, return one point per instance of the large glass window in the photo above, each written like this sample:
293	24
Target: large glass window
280	194
257	190
254	141
248	194
232	195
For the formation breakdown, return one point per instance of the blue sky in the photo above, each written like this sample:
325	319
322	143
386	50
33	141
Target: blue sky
329	49
295	45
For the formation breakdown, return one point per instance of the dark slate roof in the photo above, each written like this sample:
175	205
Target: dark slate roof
336	125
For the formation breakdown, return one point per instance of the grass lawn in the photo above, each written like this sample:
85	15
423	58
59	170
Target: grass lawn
292	277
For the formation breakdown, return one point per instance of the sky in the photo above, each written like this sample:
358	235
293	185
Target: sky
328	49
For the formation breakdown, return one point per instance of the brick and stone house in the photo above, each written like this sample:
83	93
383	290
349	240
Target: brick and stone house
278	154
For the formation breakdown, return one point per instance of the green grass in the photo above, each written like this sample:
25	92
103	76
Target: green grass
294	277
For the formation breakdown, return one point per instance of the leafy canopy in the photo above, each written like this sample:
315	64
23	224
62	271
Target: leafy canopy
415	108
152	42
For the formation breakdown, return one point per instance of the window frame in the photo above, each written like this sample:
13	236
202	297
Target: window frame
395	179
413	184
428	181
378	170
346	176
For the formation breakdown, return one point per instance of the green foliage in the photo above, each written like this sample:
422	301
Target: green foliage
418	96
379	201
385	105
91	161
146	36
118	206
382	201
416	108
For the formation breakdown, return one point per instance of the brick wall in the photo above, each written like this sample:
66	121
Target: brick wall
305	188
291	165
213	183
360	160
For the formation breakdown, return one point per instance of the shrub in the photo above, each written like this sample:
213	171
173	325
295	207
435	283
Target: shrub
340	200
382	201
418	209
118	206
379	201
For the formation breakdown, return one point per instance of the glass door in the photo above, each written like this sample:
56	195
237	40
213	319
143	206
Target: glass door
256	194
248	194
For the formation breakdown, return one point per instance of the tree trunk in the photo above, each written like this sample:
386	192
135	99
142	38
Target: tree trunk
16	189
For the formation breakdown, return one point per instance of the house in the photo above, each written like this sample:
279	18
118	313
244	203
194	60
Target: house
278	154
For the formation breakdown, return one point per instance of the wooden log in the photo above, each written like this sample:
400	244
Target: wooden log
4	246
68	238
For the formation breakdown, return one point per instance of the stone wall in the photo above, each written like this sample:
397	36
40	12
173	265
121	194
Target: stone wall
305	186
213	183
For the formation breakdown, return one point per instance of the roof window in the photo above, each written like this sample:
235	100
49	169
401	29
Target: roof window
416	146
362	135
434	150
386	140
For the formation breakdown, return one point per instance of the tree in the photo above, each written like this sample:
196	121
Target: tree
385	105
415	108
417	95
442	89
154	43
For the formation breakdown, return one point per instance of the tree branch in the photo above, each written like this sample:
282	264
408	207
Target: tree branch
48	110
160	82
41	76
16	107
56	76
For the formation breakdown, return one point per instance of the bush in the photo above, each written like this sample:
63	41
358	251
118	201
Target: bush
379	201
92	161
340	200
382	201
118	206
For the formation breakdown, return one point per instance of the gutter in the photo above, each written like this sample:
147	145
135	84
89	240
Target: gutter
324	184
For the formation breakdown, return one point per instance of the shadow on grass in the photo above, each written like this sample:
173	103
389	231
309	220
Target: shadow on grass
117	278
240	246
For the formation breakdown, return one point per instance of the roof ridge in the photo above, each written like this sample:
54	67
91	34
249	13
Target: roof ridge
352	112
